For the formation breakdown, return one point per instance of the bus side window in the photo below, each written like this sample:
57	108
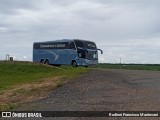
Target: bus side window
71	45
81	53
79	44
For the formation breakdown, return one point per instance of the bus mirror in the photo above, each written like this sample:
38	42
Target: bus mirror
100	50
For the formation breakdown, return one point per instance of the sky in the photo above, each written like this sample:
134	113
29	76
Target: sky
124	29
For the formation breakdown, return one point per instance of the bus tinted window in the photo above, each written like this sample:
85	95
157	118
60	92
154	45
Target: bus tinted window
71	45
79	43
81	53
90	45
55	45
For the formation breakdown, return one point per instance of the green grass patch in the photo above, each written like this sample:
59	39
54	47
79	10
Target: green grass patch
152	67
7	107
22	82
17	73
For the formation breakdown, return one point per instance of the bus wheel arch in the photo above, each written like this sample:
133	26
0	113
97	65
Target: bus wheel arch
42	61
74	63
46	61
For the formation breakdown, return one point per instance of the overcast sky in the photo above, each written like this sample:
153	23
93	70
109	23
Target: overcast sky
126	29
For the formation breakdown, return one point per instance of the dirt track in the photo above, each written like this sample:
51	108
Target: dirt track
105	90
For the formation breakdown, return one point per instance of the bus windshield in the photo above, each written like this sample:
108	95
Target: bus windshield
92	55
85	44
85	50
90	45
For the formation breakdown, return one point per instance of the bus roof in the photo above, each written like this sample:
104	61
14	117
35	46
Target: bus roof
64	40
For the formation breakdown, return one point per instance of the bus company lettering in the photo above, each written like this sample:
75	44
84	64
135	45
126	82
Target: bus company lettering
52	45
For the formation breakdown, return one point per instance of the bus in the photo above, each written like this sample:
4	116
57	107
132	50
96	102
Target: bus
73	52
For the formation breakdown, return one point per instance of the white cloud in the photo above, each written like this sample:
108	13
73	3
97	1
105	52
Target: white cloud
122	28
25	57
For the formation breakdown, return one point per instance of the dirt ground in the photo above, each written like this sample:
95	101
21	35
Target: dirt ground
105	90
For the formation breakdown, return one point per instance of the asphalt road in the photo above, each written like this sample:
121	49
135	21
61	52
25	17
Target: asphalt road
105	90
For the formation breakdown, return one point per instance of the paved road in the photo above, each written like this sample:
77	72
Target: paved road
105	90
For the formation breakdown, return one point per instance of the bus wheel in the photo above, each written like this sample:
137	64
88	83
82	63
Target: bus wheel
74	64
42	61
47	61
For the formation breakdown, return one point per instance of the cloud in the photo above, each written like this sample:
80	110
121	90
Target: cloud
114	19
10	7
122	28
25	57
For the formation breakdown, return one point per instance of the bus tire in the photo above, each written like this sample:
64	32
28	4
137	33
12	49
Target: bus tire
74	63
46	62
42	61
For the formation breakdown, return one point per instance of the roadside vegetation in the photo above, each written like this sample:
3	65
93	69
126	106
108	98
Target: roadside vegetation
22	82
152	67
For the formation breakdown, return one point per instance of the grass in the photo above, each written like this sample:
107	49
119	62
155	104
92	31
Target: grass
18	73
22	82
152	67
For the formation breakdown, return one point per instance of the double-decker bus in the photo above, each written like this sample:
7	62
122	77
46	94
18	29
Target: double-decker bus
73	52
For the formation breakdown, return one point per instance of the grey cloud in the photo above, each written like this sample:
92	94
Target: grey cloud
110	18
120	27
10	6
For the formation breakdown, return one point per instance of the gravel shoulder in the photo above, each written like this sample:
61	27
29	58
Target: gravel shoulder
105	90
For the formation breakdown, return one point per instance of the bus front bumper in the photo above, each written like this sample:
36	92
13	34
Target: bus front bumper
91	62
